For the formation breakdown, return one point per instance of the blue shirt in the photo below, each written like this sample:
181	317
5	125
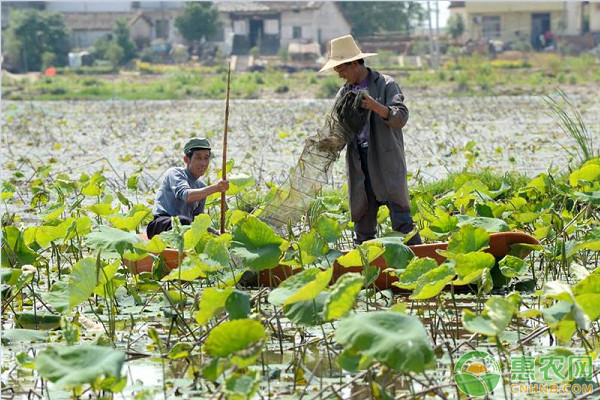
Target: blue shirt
171	198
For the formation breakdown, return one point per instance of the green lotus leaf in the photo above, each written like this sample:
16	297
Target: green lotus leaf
307	312
128	222
587	294
342	296
106	275
513	267
14	250
587	197
238	305
494	319
197	229
589	172
353	361
257	244
217	249
443	223
470	266
312	247
84	280
417	267
292	285
81	226
397	340
102	209
180	350
241	340
154	245
312	289
211	302
328	228
489	224
239	183
50	233
433	281
593	245
242	387
26	336
28	320
396	254
10	276
52	212
468	239
111	239
353	258
77	365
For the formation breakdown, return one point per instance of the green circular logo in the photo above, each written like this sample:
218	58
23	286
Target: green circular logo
477	373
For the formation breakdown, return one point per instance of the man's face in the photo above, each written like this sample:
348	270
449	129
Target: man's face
198	163
349	72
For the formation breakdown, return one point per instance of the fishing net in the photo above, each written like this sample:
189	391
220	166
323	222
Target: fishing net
313	169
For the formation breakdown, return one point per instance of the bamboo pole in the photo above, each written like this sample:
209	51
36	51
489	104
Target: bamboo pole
224	170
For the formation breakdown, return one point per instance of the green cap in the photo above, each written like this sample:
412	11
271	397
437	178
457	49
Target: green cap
196	143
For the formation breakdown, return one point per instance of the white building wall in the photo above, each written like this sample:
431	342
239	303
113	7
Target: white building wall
332	23
595	16
573	17
303	19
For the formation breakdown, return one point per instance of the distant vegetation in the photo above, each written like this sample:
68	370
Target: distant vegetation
473	75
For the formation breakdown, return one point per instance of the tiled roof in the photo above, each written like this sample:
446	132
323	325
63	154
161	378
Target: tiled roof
266	6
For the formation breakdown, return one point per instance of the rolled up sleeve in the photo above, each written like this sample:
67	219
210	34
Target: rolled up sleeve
395	101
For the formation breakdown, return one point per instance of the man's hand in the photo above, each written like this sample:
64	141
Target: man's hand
370	103
221	186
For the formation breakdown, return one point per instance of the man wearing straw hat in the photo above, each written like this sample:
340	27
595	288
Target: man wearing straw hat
375	160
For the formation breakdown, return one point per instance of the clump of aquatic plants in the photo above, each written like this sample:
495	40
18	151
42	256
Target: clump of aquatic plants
69	298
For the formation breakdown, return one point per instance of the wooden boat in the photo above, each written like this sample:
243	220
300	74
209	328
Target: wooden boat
499	246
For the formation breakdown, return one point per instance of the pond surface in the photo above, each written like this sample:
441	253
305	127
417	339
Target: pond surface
266	137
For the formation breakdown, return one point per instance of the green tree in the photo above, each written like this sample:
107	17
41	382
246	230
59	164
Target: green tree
115	54
33	33
197	20
122	36
116	47
368	17
456	25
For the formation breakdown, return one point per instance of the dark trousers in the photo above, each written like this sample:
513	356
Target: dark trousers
366	228
163	223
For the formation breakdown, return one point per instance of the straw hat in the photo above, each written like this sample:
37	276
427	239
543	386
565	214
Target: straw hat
343	50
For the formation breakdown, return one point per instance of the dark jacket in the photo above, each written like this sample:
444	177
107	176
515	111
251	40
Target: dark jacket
387	166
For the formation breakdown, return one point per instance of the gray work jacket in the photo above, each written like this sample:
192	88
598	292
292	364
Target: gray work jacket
387	166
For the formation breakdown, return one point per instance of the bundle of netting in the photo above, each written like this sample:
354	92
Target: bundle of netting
313	170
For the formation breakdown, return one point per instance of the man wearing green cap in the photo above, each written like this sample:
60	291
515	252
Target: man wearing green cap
182	192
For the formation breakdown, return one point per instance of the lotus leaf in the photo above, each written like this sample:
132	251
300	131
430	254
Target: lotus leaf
111	239
396	254
14	250
342	296
240	339
397	340
211	302
468	239
257	244
494	319
77	365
